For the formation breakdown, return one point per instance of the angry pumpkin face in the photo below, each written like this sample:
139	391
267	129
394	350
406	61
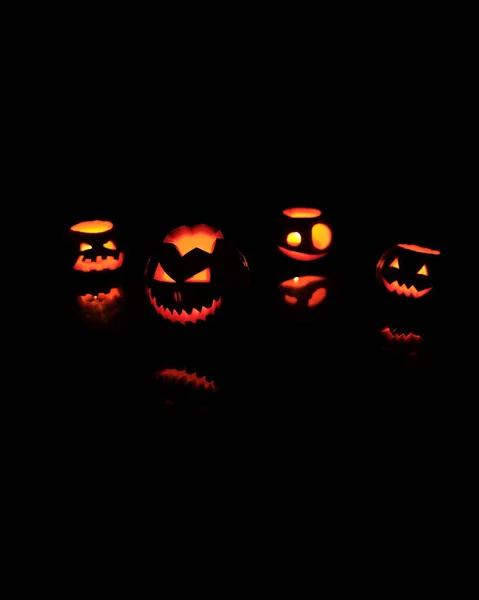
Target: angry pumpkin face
305	236
306	291
185	278
95	247
407	270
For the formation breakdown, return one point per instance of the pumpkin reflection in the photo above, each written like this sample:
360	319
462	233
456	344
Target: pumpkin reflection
101	307
187	389
305	291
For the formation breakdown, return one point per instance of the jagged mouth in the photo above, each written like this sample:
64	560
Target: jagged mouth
392	335
403	289
301	255
182	376
183	316
99	264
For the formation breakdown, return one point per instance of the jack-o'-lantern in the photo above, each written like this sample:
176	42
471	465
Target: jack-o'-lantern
305	234
306	291
95	247
101	307
188	274
408	270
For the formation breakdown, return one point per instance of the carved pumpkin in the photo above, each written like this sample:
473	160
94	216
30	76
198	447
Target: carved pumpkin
408	270
306	291
305	235
95	247
101	307
188	274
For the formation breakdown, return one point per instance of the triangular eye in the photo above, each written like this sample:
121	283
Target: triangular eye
110	245
395	264
84	247
161	275
423	271
202	276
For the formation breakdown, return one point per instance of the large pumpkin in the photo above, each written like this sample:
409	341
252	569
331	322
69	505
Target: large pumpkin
409	271
95	247
188	275
305	235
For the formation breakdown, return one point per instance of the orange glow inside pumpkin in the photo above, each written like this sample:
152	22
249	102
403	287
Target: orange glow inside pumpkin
302	213
420	249
321	236
188	238
293	238
201	277
92	227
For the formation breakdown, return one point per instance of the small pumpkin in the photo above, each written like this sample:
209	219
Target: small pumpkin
409	271
305	234
188	275
95	247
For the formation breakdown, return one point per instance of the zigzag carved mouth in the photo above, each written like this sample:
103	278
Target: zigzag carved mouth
182	376
392	335
403	289
301	255
99	264
184	317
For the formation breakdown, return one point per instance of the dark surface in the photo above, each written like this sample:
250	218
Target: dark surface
263	361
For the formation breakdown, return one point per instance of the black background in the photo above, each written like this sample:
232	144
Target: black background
384	162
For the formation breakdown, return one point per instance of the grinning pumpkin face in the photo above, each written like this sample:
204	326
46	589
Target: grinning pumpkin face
407	270
101	307
305	235
186	276
306	291
95	247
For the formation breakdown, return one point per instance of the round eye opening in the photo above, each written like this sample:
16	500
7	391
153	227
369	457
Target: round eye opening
321	236
294	238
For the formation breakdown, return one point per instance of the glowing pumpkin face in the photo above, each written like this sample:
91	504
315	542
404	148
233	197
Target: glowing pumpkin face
307	291
95	247
101	307
407	270
185	278
305	235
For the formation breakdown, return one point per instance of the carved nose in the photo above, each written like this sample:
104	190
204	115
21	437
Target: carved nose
177	296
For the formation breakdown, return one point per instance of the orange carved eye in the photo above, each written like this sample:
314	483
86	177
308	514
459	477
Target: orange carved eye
321	236
423	271
110	245
294	238
84	247
202	276
161	275
395	264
